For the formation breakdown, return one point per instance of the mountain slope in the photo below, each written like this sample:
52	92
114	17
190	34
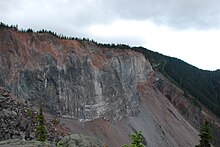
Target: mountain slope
106	92
203	85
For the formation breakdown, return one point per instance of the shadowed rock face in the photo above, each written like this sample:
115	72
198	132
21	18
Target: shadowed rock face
75	79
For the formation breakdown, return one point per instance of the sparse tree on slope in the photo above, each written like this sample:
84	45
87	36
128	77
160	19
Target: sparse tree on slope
41	130
205	136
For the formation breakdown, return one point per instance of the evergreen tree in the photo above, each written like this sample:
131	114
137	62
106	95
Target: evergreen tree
136	140
29	30
205	135
41	131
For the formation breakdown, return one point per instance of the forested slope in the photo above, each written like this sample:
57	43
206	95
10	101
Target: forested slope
202	84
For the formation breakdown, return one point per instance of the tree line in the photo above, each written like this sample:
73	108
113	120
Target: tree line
61	36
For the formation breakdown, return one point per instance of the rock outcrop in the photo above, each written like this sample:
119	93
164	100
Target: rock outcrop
79	140
103	92
75	79
18	120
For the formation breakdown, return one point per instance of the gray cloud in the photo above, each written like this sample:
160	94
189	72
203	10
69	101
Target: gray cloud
180	14
74	15
65	16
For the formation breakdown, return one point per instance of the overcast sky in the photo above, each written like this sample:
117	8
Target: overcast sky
186	29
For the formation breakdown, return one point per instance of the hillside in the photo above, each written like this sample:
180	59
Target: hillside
104	91
203	85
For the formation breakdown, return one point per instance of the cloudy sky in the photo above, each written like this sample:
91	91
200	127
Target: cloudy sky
186	29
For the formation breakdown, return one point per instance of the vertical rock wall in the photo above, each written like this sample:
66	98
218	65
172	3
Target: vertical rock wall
75	79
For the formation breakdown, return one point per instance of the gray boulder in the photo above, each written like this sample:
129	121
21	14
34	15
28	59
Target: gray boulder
79	140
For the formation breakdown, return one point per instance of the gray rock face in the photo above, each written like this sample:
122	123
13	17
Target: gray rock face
75	79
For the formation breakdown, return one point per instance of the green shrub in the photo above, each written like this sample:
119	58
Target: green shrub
136	140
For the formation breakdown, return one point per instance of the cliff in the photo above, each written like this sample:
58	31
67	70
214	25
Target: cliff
102	92
75	79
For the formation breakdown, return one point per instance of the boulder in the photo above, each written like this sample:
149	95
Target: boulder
79	140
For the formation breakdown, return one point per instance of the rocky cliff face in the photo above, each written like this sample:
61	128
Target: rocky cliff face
75	79
103	92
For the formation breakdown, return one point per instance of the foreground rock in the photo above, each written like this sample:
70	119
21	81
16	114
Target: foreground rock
18	120
75	140
23	143
78	140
